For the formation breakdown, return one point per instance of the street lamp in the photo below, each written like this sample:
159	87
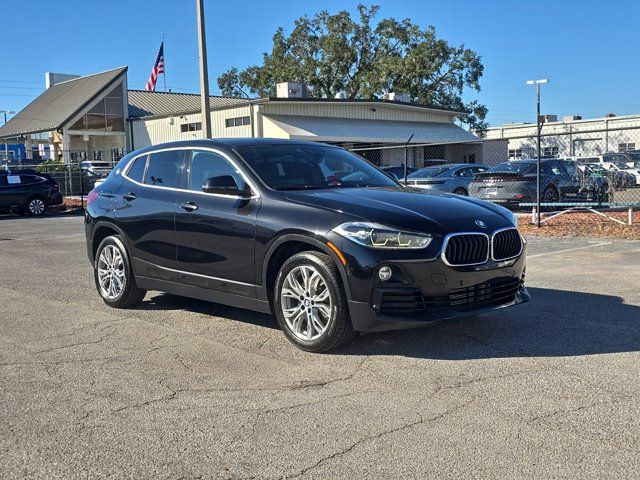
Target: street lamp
6	147
537	83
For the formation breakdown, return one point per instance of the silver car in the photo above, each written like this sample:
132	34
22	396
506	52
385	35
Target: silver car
453	178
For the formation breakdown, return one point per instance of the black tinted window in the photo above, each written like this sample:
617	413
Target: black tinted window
205	165
3	180
136	171
293	167
29	179
164	169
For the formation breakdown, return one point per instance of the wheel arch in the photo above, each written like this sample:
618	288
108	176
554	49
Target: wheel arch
102	230
290	244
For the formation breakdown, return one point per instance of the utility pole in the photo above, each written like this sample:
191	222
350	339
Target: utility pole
204	73
537	83
6	145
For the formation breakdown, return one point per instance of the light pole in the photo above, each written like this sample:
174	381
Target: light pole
6	146
537	83
204	73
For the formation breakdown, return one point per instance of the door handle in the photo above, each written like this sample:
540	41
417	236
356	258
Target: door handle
189	206
129	196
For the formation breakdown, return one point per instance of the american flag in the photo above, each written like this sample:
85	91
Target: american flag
158	68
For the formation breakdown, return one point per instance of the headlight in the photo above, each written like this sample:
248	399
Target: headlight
378	236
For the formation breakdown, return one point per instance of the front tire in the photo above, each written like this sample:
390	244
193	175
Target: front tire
113	274
36	206
310	303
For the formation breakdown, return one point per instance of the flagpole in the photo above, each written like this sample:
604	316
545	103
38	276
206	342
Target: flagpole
164	73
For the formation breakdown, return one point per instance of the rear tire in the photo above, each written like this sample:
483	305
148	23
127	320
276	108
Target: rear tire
114	276
549	195
310	303
461	191
36	206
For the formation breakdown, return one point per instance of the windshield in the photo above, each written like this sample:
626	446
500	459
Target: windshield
513	167
310	167
429	172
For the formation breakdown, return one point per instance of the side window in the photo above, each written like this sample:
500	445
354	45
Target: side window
13	180
545	168
204	164
558	169
136	170
29	179
164	169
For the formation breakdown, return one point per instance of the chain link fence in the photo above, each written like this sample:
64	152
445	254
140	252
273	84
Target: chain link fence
75	179
593	169
597	169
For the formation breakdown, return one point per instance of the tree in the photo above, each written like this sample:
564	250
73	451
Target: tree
335	53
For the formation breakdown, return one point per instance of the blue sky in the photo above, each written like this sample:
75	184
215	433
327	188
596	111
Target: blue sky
589	49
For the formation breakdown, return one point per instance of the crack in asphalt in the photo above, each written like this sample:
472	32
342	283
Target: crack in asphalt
419	421
76	344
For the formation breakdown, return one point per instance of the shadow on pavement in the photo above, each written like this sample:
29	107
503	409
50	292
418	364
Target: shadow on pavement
555	323
166	301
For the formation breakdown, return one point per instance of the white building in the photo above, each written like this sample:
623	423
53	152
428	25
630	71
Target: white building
97	117
572	136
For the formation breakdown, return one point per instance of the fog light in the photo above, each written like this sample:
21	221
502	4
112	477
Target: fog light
384	273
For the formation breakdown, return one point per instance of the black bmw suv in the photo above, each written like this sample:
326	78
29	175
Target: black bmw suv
310	232
28	191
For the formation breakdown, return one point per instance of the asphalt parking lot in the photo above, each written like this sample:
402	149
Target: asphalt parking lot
181	388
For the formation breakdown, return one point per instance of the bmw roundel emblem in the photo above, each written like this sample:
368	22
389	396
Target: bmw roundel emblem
481	224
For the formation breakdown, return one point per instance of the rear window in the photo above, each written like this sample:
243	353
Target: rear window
513	167
164	169
29	179
136	171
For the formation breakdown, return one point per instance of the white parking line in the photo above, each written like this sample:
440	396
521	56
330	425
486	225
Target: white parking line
601	244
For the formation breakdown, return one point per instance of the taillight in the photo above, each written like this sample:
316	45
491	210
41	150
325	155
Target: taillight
91	196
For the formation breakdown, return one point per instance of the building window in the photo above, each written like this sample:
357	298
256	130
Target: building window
626	147
515	153
105	116
237	121
190	127
550	152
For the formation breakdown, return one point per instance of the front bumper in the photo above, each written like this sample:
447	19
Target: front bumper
424	291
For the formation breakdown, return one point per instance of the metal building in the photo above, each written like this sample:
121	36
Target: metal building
97	118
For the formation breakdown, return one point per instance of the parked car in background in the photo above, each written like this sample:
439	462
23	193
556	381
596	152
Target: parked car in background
629	176
621	174
263	224
95	169
514	182
28	191
446	178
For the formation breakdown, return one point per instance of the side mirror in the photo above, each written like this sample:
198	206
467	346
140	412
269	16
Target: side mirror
224	185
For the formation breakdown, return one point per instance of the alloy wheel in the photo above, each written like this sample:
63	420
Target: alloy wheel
306	303
36	206
111	276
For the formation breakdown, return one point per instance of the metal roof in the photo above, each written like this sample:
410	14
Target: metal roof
56	105
370	131
146	104
373	101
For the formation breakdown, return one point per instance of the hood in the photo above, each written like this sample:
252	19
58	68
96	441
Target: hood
407	208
